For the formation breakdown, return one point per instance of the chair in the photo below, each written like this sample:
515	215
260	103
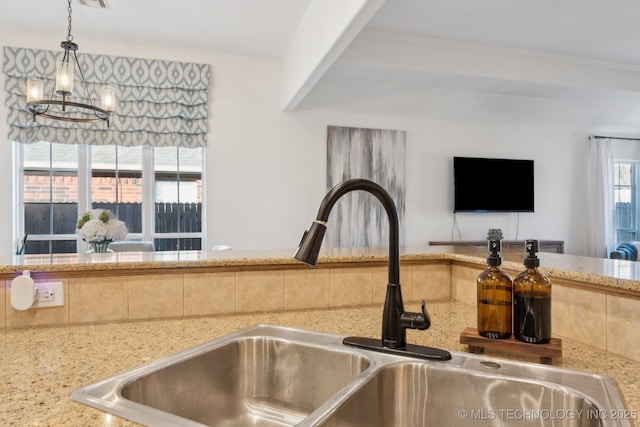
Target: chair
131	246
627	250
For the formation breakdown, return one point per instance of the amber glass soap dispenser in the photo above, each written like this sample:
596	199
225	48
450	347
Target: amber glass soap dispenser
495	293
532	300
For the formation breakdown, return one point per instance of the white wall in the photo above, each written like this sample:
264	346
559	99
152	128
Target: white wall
560	173
265	171
626	149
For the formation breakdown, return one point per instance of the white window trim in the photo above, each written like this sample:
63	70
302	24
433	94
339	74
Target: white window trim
84	203
635	198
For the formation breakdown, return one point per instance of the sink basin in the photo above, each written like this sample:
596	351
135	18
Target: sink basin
250	381
245	380
419	394
274	376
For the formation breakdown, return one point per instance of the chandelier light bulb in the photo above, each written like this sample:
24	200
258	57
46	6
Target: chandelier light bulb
34	90
64	79
108	98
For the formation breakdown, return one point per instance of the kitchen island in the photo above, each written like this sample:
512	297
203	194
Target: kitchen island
124	309
41	366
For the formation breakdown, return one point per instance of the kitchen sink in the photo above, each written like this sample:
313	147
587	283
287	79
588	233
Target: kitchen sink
242	380
420	394
275	376
249	381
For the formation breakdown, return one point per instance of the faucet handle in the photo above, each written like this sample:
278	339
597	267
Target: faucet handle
426	314
419	321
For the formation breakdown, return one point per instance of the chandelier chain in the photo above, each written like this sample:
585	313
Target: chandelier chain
69	36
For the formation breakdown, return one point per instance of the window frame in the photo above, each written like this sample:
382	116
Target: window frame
634	188
84	176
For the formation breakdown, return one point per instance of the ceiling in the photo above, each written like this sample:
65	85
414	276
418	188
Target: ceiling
254	27
574	63
582	28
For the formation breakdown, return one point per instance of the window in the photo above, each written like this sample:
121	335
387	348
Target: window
625	179
116	184
157	192
178	197
49	190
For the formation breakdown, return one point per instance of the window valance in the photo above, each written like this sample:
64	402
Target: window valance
159	103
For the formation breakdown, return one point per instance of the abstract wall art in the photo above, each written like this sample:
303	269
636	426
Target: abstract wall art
358	218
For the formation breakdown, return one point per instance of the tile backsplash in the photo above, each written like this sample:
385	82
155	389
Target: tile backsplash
114	298
592	315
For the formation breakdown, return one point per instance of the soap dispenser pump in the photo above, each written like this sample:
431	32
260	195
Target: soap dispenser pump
495	293
532	300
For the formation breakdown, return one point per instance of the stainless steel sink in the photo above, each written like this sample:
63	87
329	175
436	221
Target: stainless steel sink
253	378
249	381
275	376
420	394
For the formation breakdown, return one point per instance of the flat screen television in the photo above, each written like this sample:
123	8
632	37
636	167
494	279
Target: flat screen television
492	185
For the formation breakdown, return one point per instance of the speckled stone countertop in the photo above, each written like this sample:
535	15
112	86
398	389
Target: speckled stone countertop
41	366
624	275
612	273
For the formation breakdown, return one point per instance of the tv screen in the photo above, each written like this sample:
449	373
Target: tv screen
492	185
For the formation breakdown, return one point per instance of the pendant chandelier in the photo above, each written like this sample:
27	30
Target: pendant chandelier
55	108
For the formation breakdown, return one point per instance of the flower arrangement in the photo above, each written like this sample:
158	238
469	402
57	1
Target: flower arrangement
100	227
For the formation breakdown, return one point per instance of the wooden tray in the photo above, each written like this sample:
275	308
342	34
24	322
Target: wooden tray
478	343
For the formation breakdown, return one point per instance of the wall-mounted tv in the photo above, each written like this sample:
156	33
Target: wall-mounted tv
492	185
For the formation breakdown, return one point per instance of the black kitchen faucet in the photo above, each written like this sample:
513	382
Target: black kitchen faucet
395	320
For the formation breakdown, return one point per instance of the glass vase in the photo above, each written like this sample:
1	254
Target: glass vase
100	247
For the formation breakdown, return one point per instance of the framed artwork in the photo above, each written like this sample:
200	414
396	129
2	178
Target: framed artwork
358	219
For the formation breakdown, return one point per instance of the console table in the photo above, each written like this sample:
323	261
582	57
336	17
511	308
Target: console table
555	246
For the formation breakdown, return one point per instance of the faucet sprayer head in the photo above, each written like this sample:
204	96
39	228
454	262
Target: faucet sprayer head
309	246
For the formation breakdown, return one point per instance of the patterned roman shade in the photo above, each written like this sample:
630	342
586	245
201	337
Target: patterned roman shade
159	103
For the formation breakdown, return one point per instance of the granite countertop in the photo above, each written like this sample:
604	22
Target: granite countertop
617	274
41	366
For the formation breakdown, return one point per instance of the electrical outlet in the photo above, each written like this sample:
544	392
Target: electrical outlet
46	294
50	294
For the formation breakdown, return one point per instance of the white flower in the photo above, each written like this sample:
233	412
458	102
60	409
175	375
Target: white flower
100	225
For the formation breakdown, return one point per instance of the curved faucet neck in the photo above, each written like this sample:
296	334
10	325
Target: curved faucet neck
387	202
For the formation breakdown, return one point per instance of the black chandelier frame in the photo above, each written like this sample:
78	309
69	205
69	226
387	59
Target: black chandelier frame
41	107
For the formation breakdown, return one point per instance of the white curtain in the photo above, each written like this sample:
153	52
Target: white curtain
601	198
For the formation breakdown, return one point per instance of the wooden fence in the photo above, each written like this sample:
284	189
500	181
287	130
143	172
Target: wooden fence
169	218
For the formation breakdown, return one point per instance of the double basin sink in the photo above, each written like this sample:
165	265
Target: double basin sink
275	376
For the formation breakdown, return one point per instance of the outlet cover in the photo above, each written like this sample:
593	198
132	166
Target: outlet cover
50	294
